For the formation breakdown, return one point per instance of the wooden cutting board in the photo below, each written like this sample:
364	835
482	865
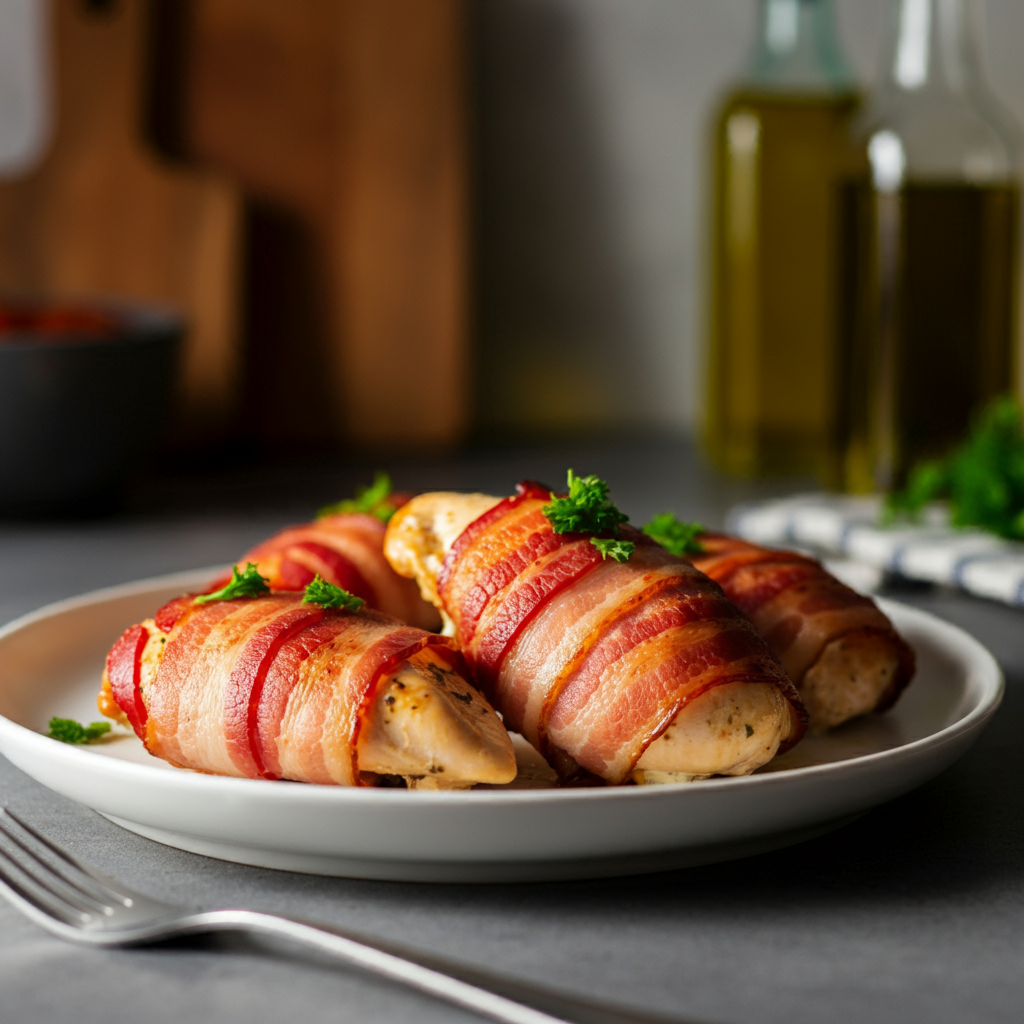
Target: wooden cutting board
103	215
345	121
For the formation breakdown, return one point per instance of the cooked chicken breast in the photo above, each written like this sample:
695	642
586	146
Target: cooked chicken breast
838	647
639	669
271	688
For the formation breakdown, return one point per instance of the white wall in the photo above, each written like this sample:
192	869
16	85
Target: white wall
592	134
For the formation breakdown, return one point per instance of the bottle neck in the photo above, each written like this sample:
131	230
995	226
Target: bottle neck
932	114
797	49
934	48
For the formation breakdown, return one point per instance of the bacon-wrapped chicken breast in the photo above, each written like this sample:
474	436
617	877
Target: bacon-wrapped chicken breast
271	687
345	546
838	647
612	656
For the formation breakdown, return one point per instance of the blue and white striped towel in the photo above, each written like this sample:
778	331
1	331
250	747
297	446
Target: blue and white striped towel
837	524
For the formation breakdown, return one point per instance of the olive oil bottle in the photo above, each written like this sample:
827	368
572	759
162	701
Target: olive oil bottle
778	138
929	325
929	237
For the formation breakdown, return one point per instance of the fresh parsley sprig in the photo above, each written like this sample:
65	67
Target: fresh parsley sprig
372	500
675	536
588	509
248	583
585	509
67	730
620	550
327	595
982	479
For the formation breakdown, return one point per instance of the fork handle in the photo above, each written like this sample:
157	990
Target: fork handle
500	999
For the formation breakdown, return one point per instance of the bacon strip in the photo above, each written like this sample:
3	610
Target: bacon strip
348	551
320	726
801	609
593	659
245	686
169	614
537	585
124	671
528	489
281	678
303	562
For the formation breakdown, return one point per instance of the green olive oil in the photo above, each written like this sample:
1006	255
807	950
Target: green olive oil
770	405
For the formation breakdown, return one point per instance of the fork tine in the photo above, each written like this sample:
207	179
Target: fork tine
56	908
82	876
47	877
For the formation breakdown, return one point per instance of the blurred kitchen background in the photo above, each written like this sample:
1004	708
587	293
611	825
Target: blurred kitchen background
394	225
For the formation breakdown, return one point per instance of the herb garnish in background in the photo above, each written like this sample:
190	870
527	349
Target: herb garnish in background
243	584
327	595
372	500
675	536
588	509
982	479
67	730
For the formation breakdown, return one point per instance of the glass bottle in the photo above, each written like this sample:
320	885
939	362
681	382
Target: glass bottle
929	238
770	369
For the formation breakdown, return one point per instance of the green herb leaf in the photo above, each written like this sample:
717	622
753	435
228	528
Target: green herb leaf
982	479
67	730
327	595
243	584
675	536
586	508
620	550
927	482
372	500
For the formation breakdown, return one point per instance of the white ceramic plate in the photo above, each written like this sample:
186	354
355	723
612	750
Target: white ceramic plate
50	664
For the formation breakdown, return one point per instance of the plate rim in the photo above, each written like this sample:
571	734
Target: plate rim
992	678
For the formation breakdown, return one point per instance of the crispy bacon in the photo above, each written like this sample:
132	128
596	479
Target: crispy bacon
124	671
490	561
801	609
540	582
348	551
262	688
246	683
169	614
593	659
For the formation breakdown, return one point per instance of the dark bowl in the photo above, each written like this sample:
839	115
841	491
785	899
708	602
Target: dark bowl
85	390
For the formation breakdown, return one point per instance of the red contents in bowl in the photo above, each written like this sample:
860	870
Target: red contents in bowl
55	321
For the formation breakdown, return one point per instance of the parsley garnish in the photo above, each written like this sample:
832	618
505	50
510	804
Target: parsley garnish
585	509
243	584
372	500
67	730
983	478
327	595
620	550
675	536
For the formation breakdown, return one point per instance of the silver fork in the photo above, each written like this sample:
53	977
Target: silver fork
73	901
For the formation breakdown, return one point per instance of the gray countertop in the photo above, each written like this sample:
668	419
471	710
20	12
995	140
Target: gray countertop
915	912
